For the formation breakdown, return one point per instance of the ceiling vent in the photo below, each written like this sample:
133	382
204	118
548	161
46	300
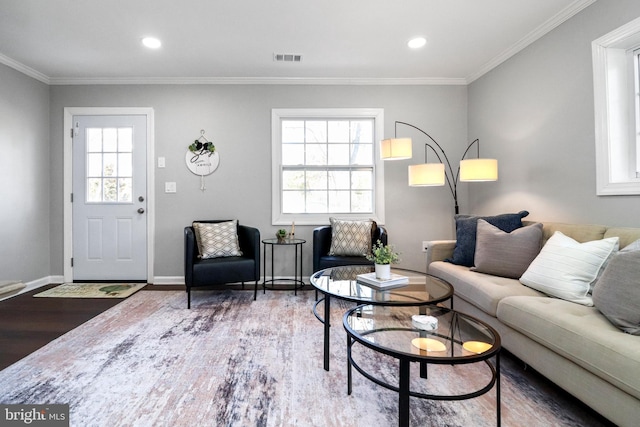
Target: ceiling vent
287	57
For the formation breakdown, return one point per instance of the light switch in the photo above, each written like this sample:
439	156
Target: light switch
169	187
161	162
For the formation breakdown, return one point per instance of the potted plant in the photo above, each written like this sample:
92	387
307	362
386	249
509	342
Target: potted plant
281	235
383	256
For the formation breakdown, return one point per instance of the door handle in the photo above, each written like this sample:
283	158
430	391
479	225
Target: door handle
141	199
141	210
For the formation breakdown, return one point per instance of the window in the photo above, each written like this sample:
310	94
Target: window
616	75
326	162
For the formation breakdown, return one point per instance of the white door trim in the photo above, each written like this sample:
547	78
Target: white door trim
68	175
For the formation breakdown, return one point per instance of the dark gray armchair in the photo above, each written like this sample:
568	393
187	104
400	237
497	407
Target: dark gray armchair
322	244
218	271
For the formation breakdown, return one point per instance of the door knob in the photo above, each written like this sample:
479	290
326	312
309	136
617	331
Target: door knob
141	210
141	199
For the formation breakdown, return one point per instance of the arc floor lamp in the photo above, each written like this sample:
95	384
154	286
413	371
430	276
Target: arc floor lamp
436	174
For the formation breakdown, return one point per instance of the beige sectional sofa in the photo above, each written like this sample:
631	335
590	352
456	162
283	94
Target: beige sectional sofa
573	345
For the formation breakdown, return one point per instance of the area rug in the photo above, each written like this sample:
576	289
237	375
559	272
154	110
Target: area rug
92	290
232	361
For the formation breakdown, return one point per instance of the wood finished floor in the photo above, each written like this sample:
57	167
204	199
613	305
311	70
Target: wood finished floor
27	324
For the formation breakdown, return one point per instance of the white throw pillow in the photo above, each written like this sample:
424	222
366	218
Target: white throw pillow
567	269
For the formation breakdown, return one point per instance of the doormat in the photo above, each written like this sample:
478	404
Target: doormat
92	290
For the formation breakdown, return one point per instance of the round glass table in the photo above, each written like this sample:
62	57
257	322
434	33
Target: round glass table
297	281
452	339
342	282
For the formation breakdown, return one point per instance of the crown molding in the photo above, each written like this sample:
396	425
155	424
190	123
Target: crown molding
24	69
561	17
254	81
568	12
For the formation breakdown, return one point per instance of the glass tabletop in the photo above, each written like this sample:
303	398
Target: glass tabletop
342	282
403	332
285	241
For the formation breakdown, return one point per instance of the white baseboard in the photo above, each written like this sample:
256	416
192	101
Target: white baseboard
179	280
35	284
168	280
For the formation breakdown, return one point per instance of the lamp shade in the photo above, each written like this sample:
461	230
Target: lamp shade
479	170
426	174
395	148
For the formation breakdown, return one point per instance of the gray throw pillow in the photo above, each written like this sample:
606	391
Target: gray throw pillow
617	292
506	254
466	226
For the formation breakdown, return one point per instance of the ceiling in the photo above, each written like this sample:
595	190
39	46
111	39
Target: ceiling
341	41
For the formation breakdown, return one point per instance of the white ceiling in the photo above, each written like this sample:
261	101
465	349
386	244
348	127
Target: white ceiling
357	41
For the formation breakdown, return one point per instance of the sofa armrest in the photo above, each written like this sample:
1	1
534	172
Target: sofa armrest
439	250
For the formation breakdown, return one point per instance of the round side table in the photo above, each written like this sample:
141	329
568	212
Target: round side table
297	281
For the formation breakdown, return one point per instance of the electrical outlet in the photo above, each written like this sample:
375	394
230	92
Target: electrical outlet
425	243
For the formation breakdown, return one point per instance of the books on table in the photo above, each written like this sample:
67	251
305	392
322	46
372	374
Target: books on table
395	281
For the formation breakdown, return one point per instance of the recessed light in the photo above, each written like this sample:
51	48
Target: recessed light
151	42
417	42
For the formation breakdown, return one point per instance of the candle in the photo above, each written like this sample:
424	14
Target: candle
293	228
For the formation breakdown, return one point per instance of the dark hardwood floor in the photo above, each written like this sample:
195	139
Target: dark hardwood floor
28	323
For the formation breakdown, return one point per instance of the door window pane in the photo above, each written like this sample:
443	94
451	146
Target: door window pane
109	165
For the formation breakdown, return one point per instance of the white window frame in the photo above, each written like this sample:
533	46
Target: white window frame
279	114
617	114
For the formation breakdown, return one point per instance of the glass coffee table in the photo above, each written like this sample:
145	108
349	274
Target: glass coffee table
342	283
456	339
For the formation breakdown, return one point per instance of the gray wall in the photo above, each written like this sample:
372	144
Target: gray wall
24	173
535	113
237	119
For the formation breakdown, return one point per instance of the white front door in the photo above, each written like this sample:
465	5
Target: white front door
109	198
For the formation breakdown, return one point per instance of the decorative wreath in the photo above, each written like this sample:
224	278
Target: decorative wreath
200	147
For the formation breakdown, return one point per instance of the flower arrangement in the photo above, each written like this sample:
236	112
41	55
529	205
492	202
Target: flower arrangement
383	254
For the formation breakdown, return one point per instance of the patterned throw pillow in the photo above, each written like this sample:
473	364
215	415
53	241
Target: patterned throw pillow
219	239
350	238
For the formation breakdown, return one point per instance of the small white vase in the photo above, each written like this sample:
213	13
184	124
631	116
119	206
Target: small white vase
383	271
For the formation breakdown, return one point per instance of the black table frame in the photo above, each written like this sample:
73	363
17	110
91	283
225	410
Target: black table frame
298	282
403	389
327	310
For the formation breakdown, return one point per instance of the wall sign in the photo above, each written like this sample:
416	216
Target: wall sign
202	158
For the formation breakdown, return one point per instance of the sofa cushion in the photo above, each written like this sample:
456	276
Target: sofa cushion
626	235
579	333
617	292
350	238
217	239
482	290
466	226
506	254
567	269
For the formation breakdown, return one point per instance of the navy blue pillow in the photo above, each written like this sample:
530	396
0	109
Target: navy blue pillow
466	227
